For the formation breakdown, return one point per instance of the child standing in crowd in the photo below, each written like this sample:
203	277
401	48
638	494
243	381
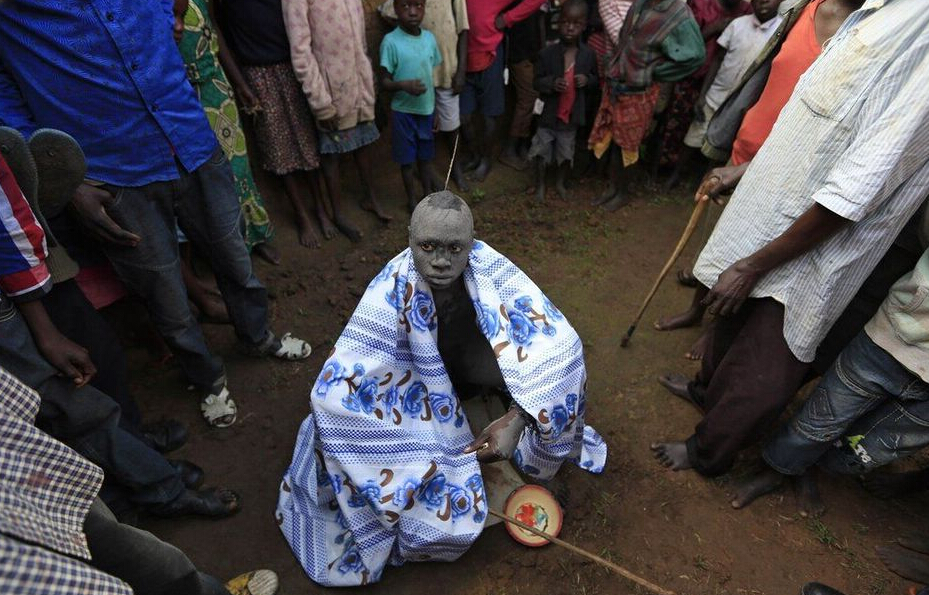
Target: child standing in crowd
739	45
408	56
447	20
484	91
659	42
284	128
563	72
204	50
329	54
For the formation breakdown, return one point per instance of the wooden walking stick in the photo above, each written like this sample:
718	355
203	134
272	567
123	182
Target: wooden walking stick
688	231
582	552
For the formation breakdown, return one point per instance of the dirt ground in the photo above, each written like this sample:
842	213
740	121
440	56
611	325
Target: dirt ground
675	529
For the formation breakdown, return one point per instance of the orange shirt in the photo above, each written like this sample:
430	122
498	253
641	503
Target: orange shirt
797	53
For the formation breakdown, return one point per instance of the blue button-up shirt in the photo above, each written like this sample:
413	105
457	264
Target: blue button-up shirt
109	73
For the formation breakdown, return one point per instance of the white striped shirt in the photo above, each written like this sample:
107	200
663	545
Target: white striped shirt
854	137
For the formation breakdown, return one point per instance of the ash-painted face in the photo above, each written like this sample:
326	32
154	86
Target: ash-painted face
441	236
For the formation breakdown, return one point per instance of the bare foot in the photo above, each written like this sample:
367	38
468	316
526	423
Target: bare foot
672	455
677	384
688	318
806	491
698	349
325	223
350	231
756	486
267	252
480	172
603	197
614	204
372	206
306	233
892	485
906	563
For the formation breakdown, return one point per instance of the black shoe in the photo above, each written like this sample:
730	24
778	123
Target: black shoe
166	435
191	475
214	502
818	589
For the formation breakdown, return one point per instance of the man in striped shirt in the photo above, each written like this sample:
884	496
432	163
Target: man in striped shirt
845	167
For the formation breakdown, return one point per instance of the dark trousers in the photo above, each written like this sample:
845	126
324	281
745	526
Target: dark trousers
204	204
521	75
147	564
86	419
77	320
747	378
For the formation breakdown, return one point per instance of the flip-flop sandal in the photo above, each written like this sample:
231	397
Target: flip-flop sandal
686	278
292	348
219	410
16	153
61	168
256	582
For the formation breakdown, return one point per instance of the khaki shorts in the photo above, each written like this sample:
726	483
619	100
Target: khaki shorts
447	114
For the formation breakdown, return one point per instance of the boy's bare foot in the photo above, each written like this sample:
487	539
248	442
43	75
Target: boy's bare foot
306	233
603	197
756	486
806	491
672	455
350	231
686	278
677	385
372	206
698	349
614	204
267	252
691	317
893	485
480	172
325	224
906	563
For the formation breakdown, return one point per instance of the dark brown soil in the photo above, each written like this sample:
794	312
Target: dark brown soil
675	529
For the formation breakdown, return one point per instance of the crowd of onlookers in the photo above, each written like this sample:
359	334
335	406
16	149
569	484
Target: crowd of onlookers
124	158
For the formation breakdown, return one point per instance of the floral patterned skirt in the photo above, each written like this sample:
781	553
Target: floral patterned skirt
285	130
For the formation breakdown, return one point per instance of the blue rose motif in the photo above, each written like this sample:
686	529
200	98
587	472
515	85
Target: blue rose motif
521	329
359	370
488	320
350	561
404	493
570	401
422	311
368	494
336	481
442	406
333	373
559	418
395	296
461	501
433	491
414	397
549	331
383	275
475	483
550	310
524	304
350	402
366	395
391	397
341	520
479	516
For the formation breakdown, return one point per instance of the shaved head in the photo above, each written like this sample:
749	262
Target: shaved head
441	236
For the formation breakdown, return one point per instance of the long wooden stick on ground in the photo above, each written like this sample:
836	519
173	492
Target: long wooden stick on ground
582	552
688	231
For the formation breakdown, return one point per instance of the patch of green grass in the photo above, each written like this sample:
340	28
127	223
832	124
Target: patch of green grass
823	533
701	563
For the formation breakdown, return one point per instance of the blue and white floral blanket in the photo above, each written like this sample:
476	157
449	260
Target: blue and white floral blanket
378	475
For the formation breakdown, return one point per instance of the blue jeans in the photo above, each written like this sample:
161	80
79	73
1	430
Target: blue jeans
86	420
204	204
878	406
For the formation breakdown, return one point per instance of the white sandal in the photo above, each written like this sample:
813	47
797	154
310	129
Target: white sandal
293	348
219	410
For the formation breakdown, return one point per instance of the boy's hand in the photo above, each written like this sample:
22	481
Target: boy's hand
70	359
580	80
250	102
414	87
458	82
560	85
90	204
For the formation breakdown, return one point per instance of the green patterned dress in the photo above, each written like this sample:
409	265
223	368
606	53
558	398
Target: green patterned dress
200	48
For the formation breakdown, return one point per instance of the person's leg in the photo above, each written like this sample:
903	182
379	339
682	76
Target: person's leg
152	270
320	202
448	122
209	213
563	156
147	564
369	203
614	170
429	177
330	167
403	152
492	102
409	185
521	75
293	187
203	294
690	317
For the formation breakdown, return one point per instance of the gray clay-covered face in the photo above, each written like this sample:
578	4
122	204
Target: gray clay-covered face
441	235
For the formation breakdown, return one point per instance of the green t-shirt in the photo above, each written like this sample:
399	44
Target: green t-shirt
408	57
